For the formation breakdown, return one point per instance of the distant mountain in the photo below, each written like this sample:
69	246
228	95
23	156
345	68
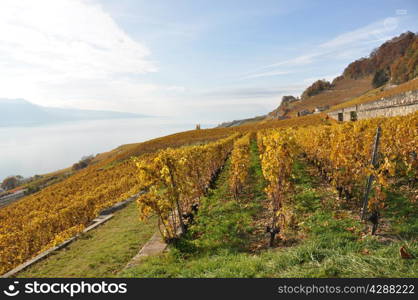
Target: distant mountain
19	112
394	62
240	122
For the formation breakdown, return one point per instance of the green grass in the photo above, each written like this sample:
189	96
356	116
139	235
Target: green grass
330	251
403	214
101	252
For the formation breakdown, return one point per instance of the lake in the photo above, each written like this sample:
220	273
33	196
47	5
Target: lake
34	150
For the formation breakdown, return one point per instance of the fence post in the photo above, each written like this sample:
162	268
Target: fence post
370	179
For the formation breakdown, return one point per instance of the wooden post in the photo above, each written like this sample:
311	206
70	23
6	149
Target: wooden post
273	230
370	179
176	198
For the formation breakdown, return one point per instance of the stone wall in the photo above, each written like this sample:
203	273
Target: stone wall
12	197
397	105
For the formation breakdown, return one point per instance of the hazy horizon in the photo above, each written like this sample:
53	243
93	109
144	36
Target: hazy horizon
42	149
20	112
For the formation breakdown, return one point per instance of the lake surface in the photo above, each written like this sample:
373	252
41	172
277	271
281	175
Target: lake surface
28	151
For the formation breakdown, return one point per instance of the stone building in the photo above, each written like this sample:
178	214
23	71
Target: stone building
319	109
304	113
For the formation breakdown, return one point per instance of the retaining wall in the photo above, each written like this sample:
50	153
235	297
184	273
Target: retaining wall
397	105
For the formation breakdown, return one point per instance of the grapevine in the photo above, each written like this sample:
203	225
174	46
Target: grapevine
175	179
240	163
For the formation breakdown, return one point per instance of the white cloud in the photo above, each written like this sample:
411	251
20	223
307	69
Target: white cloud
50	49
175	88
273	73
296	61
250	93
328	77
377	31
348	46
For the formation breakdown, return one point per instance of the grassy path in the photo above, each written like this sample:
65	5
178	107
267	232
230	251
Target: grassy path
101	252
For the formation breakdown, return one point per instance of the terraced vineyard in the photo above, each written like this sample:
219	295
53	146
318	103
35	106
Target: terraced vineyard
254	202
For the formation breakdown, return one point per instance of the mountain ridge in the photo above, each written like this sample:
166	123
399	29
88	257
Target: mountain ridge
392	63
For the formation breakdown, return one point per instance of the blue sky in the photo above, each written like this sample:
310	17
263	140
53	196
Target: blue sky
204	61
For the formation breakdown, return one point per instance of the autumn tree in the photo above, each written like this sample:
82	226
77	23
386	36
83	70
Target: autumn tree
398	57
316	88
83	163
10	182
406	67
380	78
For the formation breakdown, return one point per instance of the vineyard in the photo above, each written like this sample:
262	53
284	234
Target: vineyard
297	210
236	190
58	212
175	179
341	154
227	227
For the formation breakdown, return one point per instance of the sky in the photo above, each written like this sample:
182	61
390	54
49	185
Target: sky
203	61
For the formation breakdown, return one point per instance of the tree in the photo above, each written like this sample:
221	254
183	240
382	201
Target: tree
289	99
10	182
395	54
83	163
406	67
380	78
316	88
